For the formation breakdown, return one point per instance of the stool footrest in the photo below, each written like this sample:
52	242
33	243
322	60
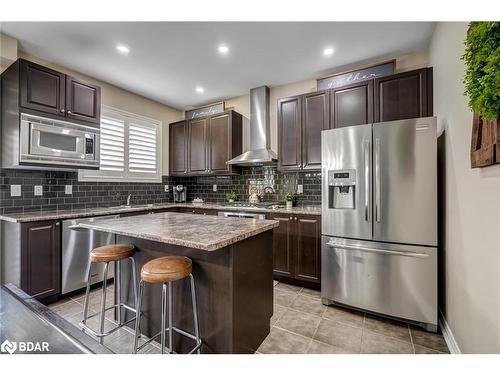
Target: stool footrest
178	330
83	324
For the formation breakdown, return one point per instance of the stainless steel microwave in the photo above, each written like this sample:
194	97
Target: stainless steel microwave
60	143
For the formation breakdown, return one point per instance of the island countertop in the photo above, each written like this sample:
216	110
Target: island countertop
195	231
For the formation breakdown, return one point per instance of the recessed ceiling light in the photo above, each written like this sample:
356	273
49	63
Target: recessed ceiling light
200	90
124	50
223	49
328	51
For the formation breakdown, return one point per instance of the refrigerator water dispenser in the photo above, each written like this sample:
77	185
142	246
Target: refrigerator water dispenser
342	189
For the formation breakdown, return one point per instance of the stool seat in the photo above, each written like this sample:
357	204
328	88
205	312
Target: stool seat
110	253
165	269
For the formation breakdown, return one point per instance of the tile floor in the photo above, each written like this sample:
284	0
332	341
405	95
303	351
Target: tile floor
300	324
120	341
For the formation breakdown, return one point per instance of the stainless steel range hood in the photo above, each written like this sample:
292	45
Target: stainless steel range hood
260	152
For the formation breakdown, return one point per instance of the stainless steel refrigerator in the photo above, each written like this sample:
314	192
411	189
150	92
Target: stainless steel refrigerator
379	219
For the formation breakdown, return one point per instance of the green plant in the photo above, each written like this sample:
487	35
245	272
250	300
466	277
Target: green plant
482	74
290	197
231	196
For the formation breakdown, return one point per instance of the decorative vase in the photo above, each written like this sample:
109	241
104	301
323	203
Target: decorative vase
289	205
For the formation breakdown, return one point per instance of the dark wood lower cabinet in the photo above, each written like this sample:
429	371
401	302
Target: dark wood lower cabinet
283	245
308	243
297	248
41	258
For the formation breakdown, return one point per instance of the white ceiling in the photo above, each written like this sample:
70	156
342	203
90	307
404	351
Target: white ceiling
168	60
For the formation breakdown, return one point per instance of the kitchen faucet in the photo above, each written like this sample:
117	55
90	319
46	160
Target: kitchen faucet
128	200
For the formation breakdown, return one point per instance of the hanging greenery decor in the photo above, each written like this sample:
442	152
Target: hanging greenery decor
482	74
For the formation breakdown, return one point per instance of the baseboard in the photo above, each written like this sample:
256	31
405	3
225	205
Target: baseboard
448	335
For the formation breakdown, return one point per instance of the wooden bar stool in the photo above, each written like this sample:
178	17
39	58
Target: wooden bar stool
166	270
106	254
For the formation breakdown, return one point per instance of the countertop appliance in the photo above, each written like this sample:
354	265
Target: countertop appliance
76	247
242	214
49	142
379	219
180	194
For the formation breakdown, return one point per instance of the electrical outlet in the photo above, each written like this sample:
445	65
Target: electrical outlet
300	189
166	188
38	190
214	188
15	190
68	189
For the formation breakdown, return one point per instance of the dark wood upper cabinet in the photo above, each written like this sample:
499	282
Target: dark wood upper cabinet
218	142
290	133
197	146
301	118
404	95
42	89
352	104
178	148
224	142
45	91
308	242
41	258
203	146
83	100
283	245
316	117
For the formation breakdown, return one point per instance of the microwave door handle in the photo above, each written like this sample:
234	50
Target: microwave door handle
377	180
379	251
367	180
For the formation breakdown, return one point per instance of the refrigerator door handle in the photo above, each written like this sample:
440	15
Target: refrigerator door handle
380	251
367	179
377	180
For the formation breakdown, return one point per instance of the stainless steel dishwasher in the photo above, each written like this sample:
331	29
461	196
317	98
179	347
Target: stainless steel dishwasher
76	247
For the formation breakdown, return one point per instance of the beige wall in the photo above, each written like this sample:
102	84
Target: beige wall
471	207
125	100
242	103
8	51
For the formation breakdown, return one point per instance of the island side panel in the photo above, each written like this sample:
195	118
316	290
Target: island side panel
252	265
213	278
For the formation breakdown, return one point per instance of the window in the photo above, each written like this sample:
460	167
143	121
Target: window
129	148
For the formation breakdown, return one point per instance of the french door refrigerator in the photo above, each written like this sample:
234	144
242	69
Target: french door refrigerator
379	219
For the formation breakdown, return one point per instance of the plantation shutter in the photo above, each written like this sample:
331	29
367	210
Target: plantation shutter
112	144
130	147
142	148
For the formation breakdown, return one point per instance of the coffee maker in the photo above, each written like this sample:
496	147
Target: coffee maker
179	194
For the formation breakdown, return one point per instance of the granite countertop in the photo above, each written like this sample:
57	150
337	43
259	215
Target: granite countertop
101	211
202	232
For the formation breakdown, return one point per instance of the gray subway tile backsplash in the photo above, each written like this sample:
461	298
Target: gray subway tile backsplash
272	183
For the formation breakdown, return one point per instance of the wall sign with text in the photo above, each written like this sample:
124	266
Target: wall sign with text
359	75
208	110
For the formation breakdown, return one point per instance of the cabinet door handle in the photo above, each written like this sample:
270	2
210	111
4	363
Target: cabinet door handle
69	112
57	224
62	110
291	218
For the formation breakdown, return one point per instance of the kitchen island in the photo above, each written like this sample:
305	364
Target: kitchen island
232	266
